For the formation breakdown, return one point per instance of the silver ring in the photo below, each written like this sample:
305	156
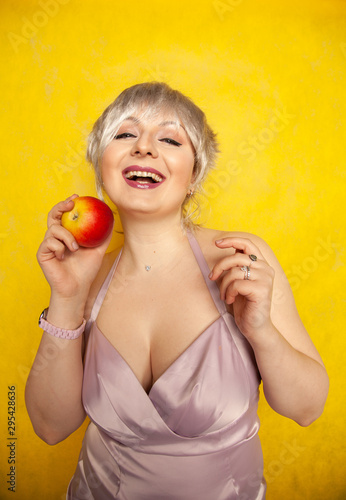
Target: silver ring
247	272
253	257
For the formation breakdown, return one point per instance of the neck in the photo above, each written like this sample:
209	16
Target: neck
152	245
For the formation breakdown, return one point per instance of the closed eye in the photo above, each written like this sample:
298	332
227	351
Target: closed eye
124	135
170	141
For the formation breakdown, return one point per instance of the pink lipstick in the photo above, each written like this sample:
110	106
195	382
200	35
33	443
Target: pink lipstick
143	177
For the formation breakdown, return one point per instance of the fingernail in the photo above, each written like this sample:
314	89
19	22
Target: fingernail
75	245
70	198
210	274
218	241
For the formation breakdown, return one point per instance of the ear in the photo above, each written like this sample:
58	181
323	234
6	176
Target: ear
193	177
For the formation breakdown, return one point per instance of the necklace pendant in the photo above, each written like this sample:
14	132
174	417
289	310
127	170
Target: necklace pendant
147	268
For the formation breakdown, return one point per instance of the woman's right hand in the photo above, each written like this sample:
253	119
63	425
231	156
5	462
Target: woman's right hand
68	268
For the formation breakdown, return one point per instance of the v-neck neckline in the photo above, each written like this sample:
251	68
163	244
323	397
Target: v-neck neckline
184	353
213	290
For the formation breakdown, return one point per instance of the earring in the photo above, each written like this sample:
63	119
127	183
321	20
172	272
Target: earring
190	193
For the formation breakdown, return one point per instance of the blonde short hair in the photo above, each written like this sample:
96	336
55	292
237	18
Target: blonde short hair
147	100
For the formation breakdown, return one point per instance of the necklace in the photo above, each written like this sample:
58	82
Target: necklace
148	268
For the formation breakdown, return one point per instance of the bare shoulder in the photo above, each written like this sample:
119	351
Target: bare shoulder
206	238
107	262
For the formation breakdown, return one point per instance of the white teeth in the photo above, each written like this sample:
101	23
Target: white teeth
139	173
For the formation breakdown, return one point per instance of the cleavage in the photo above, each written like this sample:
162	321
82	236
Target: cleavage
152	323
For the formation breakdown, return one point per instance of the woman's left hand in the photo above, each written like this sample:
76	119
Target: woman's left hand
247	284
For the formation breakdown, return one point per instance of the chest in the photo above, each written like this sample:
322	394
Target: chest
153	320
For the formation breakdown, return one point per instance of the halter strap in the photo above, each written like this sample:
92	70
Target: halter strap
212	286
101	295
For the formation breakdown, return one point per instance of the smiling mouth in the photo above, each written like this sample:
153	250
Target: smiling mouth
143	177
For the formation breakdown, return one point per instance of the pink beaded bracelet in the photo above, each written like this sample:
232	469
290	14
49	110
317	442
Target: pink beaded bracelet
59	332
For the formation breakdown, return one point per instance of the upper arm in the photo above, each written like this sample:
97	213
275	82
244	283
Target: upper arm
284	313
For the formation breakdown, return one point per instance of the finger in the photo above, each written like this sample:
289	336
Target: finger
237	273
54	216
56	231
258	286
49	248
240	245
232	275
235	260
254	291
238	287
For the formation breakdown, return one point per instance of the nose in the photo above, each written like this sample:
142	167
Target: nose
144	146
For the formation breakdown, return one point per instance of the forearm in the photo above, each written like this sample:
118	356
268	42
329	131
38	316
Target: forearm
295	385
54	386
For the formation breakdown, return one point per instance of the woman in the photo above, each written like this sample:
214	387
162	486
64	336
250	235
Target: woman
182	325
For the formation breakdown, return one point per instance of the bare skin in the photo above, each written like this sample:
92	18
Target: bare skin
172	304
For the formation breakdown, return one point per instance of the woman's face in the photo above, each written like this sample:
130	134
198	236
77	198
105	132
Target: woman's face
148	166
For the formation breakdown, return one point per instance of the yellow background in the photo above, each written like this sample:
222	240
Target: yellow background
244	62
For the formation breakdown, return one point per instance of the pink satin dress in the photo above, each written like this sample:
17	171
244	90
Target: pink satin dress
194	436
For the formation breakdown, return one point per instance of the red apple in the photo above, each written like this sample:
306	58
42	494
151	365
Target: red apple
90	221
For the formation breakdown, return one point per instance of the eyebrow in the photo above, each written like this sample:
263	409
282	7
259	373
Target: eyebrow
169	122
131	119
162	124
